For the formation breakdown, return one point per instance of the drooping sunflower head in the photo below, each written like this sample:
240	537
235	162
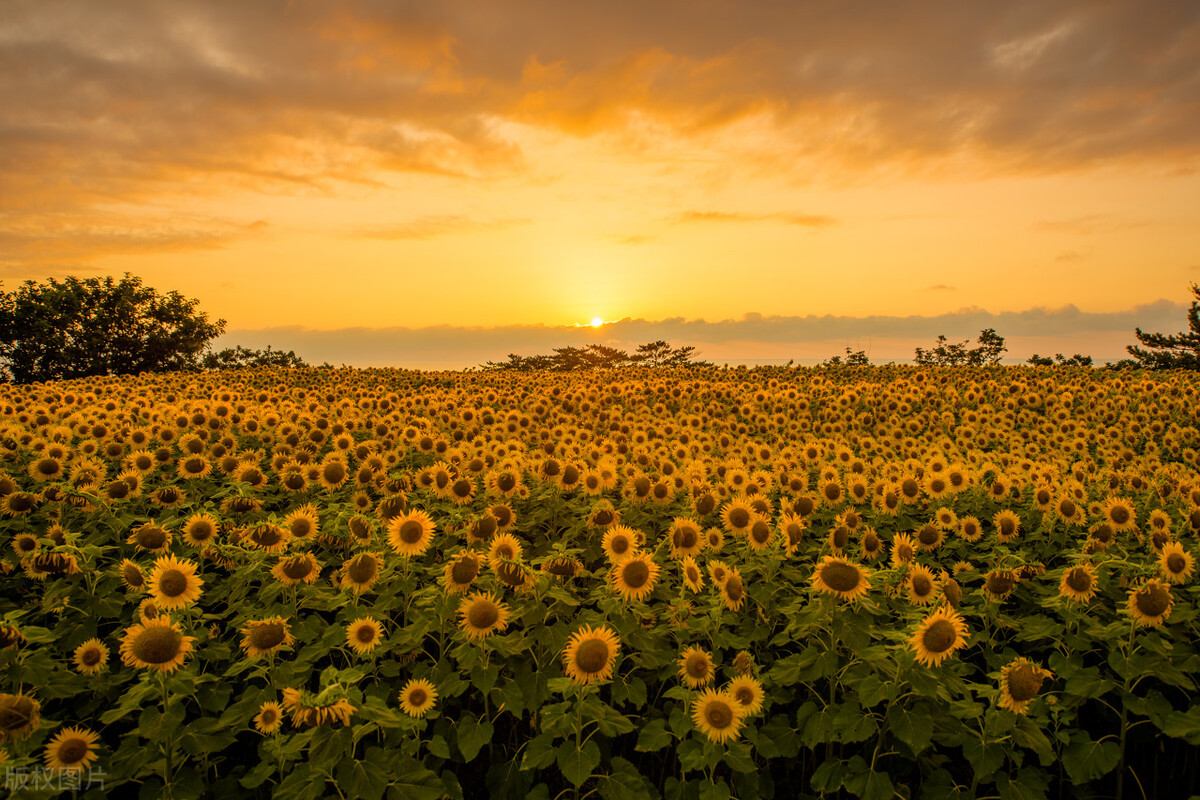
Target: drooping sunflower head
1078	583
360	573
590	654
297	569
998	584
150	538
1151	603
1020	682
20	715
462	571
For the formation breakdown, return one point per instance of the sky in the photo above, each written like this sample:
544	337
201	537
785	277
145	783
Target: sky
439	184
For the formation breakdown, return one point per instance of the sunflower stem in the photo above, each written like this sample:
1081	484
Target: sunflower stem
168	741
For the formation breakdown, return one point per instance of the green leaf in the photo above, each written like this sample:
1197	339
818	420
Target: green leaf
577	765
539	753
1086	760
654	736
1183	725
412	780
626	783
913	726
439	747
879	787
985	757
472	734
871	691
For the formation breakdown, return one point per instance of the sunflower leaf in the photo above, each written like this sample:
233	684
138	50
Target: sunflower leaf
577	765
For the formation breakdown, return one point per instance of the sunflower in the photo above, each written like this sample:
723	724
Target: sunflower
1020	682
90	657
1068	509
267	537
841	578
193	467
693	578
46	468
718	571
1175	564
696	667
296	570
970	529
20	715
922	584
504	547
718	715
417	697
482	615
1150	604
360	573
174	584
411	534
747	691
870	544
332	474
71	750
634	577
619	542
269	718
303	523
150	537
737	516
311	712
24	544
714	539
1008	526
998	584
791	528
938	636
685	537
590	654
1120	512
761	533
363	635
603	515
200	530
562	568
157	644
261	637
462	571
733	591
903	550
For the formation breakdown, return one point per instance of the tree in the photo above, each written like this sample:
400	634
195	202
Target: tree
1059	359
97	326
988	353
661	354
1176	351
239	357
599	356
855	358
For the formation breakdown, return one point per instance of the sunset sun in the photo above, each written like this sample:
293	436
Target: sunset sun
597	322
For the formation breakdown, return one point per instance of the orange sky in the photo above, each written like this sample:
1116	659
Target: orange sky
478	164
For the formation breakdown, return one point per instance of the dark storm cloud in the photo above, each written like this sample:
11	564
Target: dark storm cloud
754	336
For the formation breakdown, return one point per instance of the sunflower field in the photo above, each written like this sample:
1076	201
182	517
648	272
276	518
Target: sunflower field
704	583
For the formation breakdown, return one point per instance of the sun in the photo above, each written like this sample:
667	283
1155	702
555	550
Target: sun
596	322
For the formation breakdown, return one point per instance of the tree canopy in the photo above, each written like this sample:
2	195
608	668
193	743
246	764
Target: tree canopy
598	356
990	348
238	357
1171	351
77	328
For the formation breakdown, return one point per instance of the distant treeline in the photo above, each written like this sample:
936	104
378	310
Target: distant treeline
598	356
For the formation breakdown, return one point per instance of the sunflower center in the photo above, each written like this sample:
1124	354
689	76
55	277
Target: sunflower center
693	574
744	695
840	577
841	537
297	569
642	486
739	517
301	527
760	531
928	535
1067	508
733	588
719	715
910	487
635	574
201	531
90	657
483	614
157	645
506	482
602	517
334	472
172	582
464	570
940	636
619	544
72	751
833	491
685	538
133	575
411	531
697	665
365	634
417	697
265	637
1007	528
1176	564
1000	583
705	505
1119	515
1153	601
48	467
921	585
1024	682
361	570
151	538
462	488
591	656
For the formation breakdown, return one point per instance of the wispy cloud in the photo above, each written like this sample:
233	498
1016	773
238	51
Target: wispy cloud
433	226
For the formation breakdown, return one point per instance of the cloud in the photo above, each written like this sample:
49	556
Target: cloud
752	337
433	226
801	220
